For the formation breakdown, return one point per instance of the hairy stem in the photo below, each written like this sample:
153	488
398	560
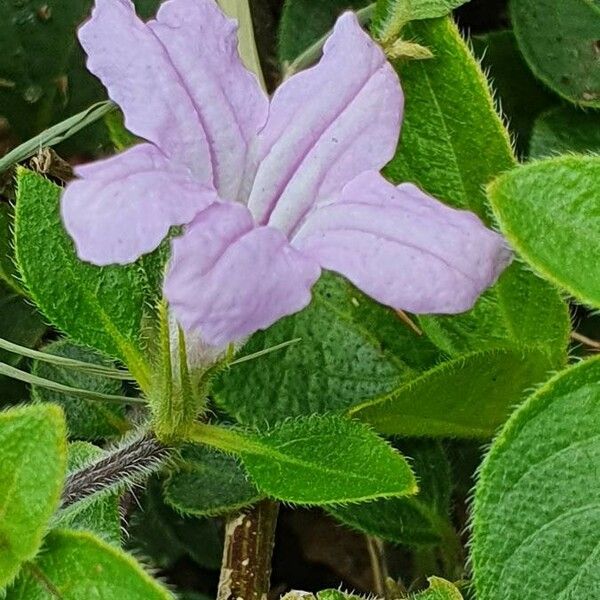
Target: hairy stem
123	466
246	566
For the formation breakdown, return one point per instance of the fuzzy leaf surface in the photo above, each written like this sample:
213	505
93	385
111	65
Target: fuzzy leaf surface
79	565
350	349
207	482
522	97
537	501
549	212
469	396
86	419
559	41
8	270
562	130
453	143
99	307
303	460
415	520
415	10
33	456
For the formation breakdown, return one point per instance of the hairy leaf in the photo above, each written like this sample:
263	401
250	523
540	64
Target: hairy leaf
415	520
86	419
537	501
453	143
559	40
470	396
165	536
207	482
562	130
350	349
305	461
78	565
549	212
387	10
8	270
33	456
521	96
99	307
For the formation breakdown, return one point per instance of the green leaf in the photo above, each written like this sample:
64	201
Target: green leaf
562	130
316	19
33	457
415	9
439	589
350	349
100	514
305	460
120	136
548	210
101	307
521	96
452	138
8	271
470	396
559	40
77	565
537	501
206	482
412	521
165	536
335	595
86	419
454	143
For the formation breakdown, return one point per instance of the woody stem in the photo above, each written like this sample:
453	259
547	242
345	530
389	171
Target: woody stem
246	565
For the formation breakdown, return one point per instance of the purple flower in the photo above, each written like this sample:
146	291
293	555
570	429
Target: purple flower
269	192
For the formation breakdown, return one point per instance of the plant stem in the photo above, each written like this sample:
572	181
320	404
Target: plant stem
586	341
378	565
124	466
246	566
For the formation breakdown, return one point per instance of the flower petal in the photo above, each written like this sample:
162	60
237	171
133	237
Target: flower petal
203	46
326	125
229	278
122	207
180	83
404	248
